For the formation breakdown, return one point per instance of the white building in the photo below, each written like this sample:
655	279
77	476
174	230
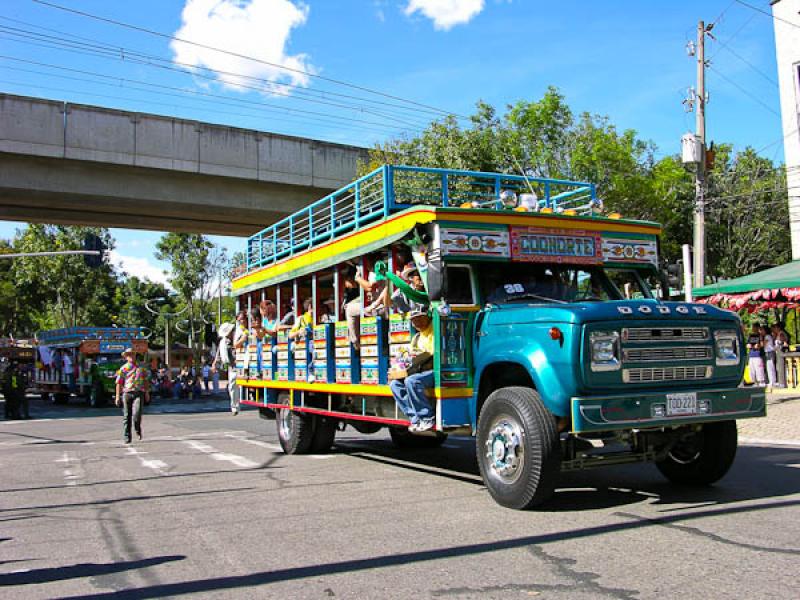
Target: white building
786	21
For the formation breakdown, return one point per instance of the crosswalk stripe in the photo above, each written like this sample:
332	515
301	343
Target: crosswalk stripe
239	461
157	465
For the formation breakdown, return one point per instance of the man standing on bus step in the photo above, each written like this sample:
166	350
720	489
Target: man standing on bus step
133	388
409	392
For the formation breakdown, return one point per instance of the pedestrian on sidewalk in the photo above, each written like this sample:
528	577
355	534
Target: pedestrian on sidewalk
755	348
770	356
224	360
206	375
133	389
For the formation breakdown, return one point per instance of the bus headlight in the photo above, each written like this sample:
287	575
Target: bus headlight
727	348
605	353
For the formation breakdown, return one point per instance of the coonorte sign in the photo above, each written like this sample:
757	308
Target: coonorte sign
537	244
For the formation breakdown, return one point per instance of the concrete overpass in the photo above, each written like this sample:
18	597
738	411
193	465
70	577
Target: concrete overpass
75	164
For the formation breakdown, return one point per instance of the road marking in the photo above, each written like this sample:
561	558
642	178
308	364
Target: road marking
258	443
70	476
239	461
157	465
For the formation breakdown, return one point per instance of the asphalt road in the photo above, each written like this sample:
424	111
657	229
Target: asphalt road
207	505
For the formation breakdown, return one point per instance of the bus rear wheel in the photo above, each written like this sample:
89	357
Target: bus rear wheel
702	458
324	434
518	448
295	431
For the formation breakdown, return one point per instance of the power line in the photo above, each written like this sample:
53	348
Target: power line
238	55
122	80
752	66
173	105
127	54
745	91
131	57
750	6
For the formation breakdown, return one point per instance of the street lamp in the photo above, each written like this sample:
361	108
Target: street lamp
167	316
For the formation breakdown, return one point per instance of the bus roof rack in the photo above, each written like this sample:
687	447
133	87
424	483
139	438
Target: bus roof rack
393	188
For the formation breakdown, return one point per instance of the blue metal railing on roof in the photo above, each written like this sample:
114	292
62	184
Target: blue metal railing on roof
392	188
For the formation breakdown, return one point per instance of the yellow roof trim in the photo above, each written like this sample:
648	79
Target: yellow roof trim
373	233
406	220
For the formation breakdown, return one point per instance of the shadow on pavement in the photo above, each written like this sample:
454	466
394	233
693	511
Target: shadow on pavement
82	570
757	473
395	560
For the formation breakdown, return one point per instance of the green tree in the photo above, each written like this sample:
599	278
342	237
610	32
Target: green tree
193	263
71	293
748	214
130	298
748	220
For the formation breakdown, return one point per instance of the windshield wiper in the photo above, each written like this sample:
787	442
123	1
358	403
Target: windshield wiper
536	297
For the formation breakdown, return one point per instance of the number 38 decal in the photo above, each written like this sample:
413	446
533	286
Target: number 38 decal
513	288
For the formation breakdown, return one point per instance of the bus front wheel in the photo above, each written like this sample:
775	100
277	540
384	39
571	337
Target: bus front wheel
518	449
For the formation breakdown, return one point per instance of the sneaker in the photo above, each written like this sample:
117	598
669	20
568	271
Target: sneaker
426	425
235	411
127	440
413	427
139	433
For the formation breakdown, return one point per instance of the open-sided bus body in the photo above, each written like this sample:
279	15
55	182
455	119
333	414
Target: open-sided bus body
550	346
95	356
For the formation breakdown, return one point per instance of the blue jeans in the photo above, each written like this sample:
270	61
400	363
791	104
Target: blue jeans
259	358
410	395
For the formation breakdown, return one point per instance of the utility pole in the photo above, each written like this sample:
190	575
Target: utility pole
700	177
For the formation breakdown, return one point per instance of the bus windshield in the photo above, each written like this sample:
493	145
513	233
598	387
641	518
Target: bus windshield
563	284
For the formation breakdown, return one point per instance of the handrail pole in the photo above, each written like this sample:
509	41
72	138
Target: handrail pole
357	202
547	194
497	191
445	198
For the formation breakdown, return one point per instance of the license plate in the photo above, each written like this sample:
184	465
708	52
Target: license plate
682	404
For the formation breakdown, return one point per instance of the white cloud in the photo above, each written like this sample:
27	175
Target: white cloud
256	28
446	13
137	267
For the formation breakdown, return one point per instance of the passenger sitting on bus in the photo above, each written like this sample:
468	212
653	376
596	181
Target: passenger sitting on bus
408	385
269	322
258	332
399	300
306	320
353	284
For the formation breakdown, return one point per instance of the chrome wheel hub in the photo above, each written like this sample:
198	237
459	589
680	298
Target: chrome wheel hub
504	449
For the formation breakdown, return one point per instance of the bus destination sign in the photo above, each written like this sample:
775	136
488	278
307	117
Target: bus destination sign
537	244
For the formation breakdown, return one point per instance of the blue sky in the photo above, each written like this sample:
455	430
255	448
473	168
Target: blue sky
621	58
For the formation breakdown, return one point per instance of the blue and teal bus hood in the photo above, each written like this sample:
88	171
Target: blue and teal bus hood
579	313
521	334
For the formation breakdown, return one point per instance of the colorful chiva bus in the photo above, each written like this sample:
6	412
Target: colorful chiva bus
93	355
552	346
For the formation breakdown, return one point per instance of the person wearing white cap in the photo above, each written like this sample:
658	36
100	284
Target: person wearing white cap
224	360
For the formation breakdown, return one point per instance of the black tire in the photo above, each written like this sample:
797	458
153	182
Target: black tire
704	458
402	438
295	431
60	398
515	422
324	434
